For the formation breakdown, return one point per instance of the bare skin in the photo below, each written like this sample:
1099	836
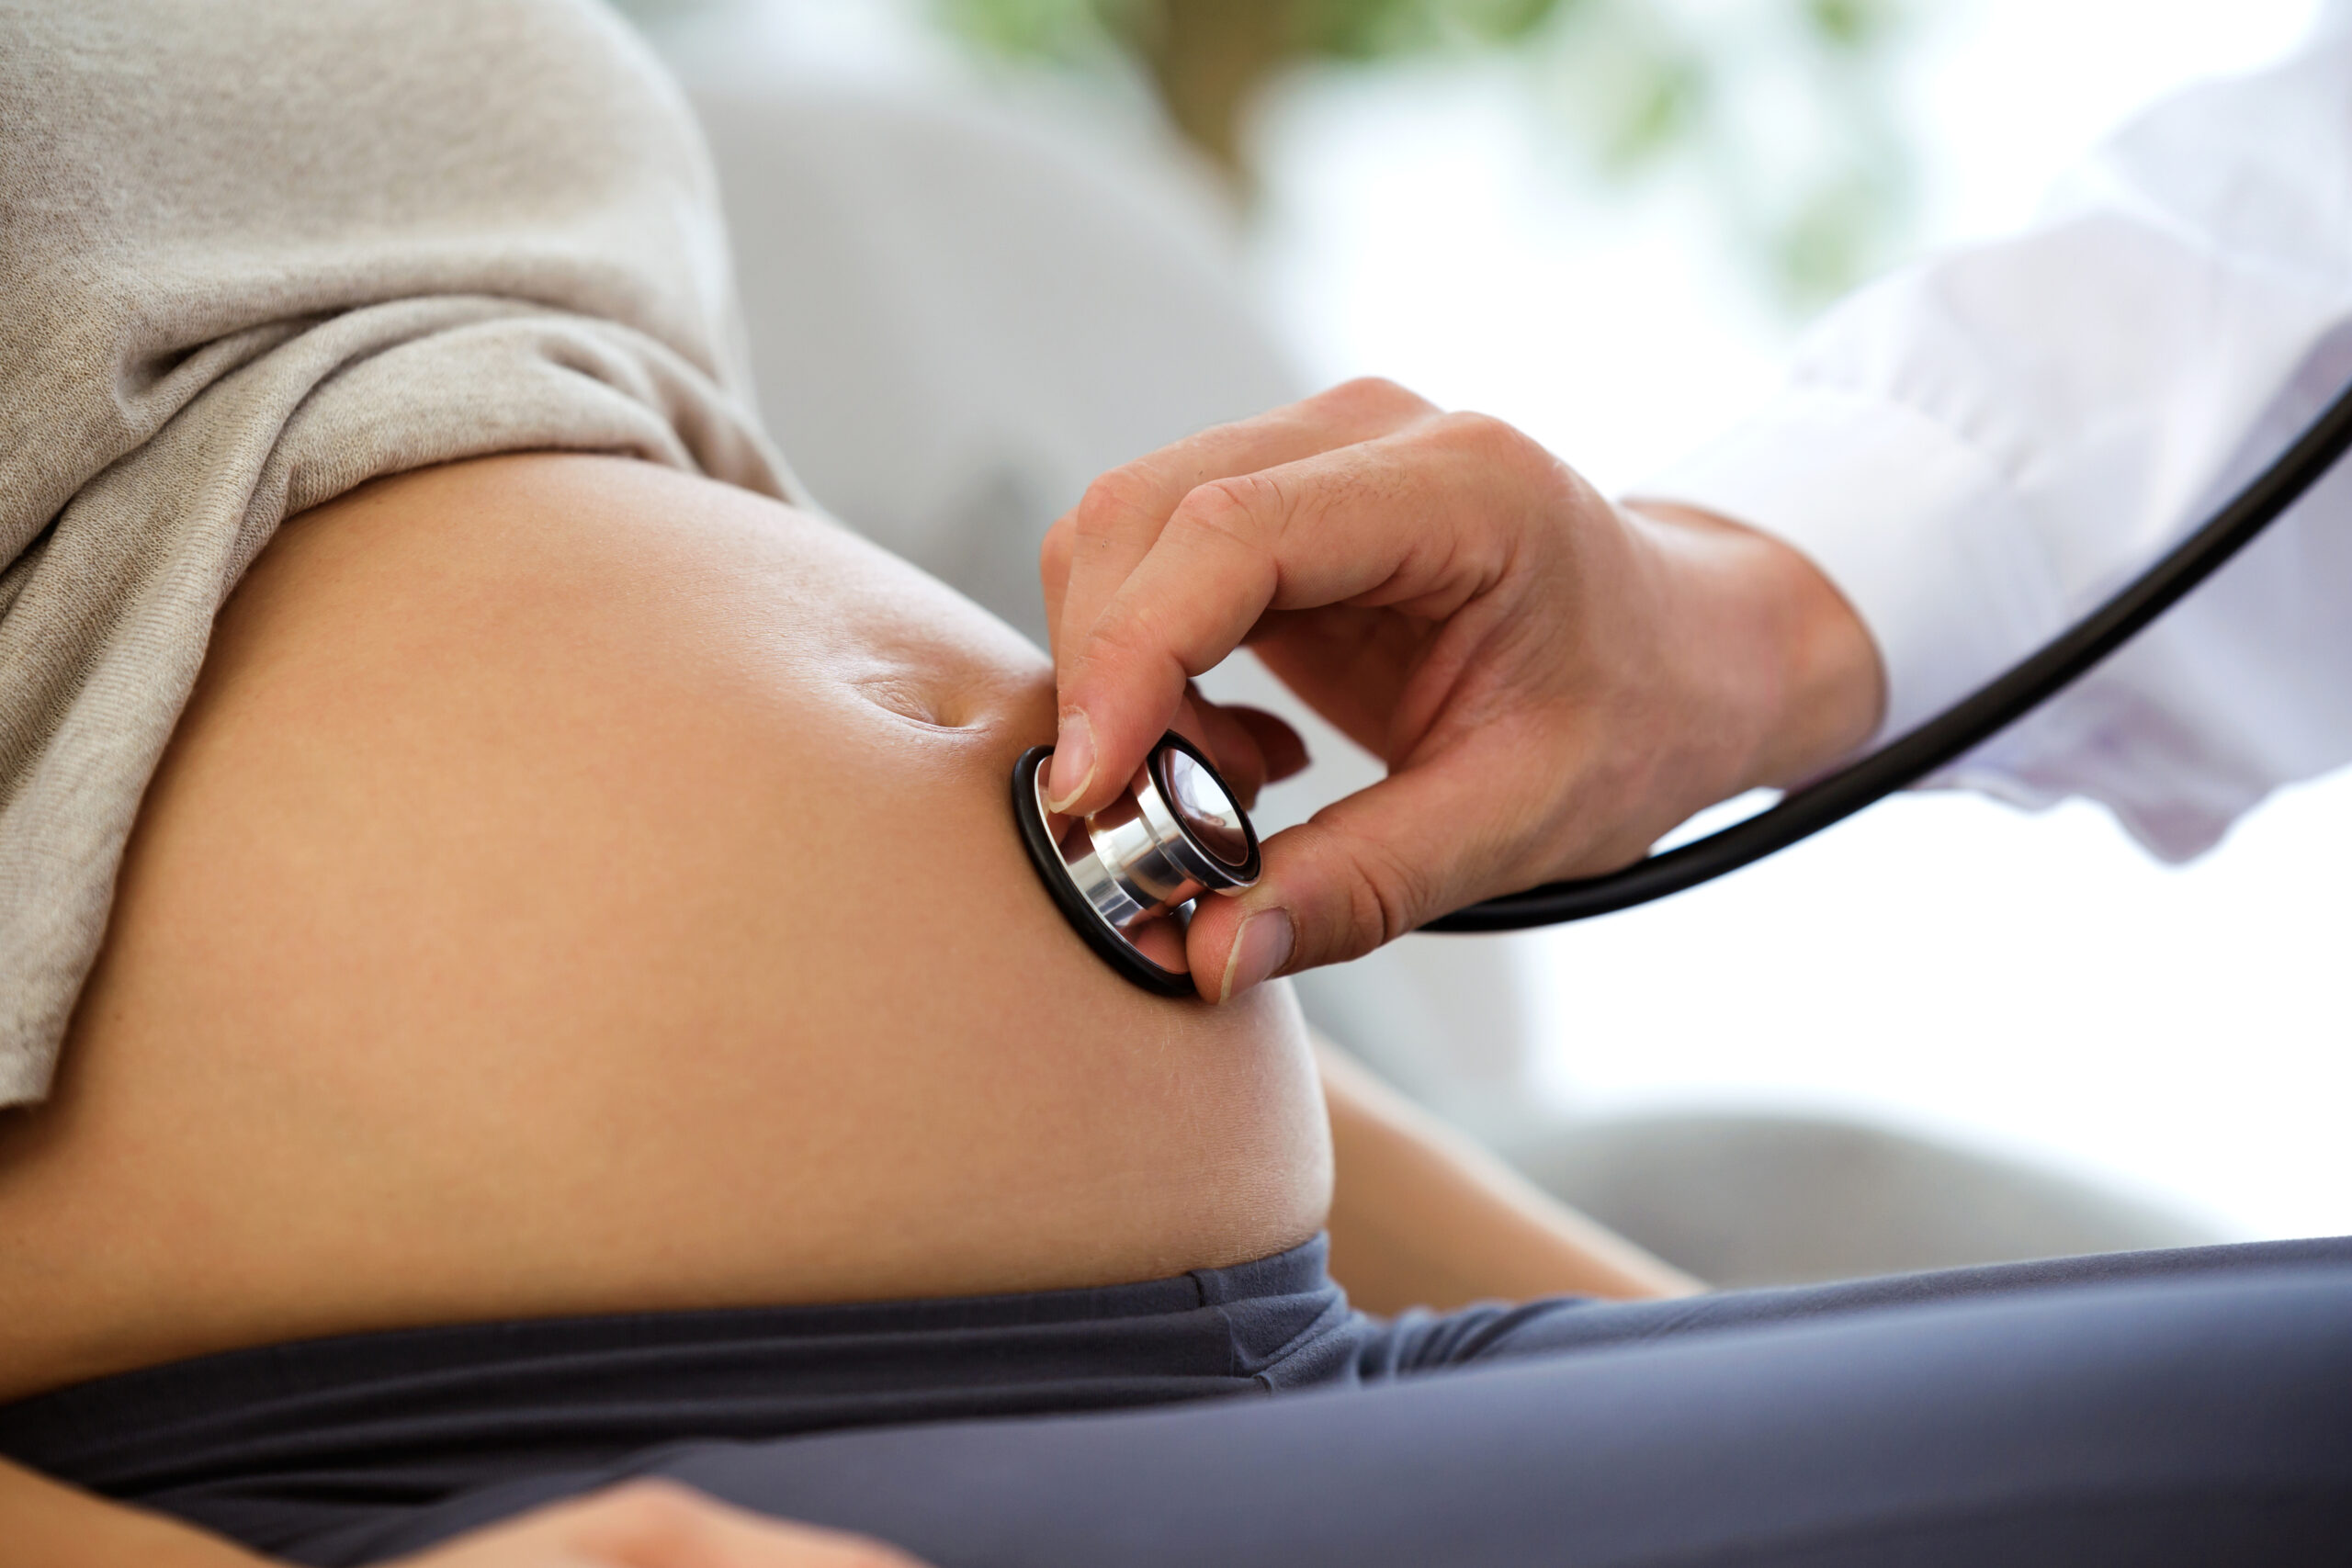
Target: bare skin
520	925
1422	1216
576	886
643	1524
1555	682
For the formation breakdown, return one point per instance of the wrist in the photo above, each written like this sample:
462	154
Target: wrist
1796	674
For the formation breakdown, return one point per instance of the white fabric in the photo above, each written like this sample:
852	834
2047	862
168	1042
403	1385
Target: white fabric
1980	448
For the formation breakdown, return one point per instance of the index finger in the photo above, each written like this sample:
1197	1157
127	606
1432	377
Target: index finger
1091	549
1403	522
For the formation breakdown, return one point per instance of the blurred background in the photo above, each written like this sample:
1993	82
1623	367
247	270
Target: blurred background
990	247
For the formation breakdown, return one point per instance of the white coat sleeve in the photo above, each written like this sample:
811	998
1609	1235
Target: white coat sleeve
1980	448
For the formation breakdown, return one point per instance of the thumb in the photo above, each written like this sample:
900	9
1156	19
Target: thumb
1363	872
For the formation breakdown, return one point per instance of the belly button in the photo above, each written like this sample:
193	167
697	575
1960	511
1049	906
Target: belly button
931	704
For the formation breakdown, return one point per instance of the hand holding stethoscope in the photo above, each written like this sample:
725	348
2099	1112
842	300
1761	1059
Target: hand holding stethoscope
1555	682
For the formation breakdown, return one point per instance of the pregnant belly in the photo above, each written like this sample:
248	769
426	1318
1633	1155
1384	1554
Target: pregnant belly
577	887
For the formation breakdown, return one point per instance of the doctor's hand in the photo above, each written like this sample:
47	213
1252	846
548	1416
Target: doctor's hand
1555	682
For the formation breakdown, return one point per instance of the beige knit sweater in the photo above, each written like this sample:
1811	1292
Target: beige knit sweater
253	253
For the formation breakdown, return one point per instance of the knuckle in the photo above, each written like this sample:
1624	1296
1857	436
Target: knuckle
1377	395
1112	503
1231	508
1496	447
1484	436
1134	642
1122	649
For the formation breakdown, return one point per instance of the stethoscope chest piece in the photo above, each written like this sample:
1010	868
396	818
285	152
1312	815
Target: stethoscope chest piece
1126	876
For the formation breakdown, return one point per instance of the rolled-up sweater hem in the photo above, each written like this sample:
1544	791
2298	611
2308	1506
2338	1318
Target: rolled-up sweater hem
412	232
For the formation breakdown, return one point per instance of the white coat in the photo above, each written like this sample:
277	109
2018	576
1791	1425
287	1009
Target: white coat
1979	449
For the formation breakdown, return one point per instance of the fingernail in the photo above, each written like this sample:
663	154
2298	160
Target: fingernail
1261	946
1073	761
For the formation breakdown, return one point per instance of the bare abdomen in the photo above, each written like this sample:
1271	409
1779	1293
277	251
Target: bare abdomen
577	887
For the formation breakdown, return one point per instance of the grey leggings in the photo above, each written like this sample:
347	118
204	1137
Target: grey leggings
2151	1408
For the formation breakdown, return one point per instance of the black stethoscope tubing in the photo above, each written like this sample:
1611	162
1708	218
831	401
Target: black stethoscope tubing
1956	732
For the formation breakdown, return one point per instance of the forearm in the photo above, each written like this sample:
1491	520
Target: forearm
1423	1216
46	1525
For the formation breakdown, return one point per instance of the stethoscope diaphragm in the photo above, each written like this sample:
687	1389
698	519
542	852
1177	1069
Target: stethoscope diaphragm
1126	876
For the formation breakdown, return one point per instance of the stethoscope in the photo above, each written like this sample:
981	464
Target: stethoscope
1126	876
